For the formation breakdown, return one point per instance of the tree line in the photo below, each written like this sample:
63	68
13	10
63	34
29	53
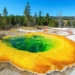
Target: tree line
9	21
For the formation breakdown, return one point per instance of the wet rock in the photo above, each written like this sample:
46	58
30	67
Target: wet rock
2	35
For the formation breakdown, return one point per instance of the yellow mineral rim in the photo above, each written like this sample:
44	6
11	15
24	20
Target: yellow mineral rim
38	52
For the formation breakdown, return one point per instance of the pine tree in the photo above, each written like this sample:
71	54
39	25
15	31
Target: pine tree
27	15
47	19
5	14
40	18
35	18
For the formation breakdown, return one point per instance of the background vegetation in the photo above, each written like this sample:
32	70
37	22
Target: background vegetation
36	20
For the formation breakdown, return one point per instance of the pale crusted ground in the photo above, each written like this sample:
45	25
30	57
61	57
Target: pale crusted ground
7	68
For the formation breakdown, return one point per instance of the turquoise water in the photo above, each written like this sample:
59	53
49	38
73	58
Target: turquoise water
32	44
